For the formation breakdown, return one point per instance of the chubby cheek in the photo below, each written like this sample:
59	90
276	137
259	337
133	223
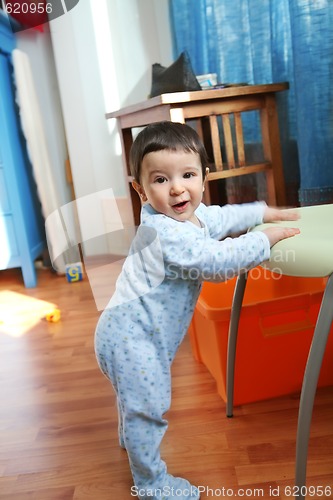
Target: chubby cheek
157	192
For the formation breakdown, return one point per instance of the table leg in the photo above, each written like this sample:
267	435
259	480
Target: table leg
272	151
311	375
232	339
126	144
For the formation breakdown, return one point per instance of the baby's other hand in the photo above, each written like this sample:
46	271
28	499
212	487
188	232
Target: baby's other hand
276	214
278	233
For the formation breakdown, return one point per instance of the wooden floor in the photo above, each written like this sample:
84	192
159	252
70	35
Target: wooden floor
58	421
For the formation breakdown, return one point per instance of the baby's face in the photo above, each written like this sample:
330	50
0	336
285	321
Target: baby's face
171	181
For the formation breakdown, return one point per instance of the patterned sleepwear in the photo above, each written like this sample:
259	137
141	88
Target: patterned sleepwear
138	334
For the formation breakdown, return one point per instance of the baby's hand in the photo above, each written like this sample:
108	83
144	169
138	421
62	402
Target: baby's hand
275	214
278	233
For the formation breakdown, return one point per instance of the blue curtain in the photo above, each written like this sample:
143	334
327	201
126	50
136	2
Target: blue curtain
266	41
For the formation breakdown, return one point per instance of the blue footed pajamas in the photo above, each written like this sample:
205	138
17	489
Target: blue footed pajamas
138	334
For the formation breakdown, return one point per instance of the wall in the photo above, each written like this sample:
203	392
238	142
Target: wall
140	34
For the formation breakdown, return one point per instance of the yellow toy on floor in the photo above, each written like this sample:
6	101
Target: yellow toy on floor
53	316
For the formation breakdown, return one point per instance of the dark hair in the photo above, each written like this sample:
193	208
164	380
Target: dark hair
165	135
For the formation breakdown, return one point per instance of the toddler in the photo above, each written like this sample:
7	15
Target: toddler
179	244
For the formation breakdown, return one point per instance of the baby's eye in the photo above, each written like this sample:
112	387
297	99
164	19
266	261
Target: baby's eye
160	180
188	175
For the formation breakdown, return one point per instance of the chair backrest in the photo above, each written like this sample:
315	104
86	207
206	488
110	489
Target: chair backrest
223	136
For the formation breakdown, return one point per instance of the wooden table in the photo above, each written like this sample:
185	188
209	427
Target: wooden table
204	106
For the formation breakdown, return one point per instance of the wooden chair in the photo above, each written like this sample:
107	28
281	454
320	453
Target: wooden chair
226	132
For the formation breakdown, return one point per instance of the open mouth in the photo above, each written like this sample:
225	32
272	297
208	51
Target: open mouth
180	206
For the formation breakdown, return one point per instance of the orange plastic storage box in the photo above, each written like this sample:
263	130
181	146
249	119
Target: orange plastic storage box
275	332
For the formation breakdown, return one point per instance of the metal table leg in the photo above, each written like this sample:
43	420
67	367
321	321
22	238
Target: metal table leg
310	380
311	375
232	339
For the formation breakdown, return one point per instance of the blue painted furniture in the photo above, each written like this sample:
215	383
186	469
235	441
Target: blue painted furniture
22	234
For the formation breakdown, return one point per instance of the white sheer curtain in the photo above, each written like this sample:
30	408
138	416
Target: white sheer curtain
33	129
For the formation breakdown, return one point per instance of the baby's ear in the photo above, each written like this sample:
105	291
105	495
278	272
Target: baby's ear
205	179
139	189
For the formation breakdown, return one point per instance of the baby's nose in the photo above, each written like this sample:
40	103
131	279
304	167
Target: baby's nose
176	188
